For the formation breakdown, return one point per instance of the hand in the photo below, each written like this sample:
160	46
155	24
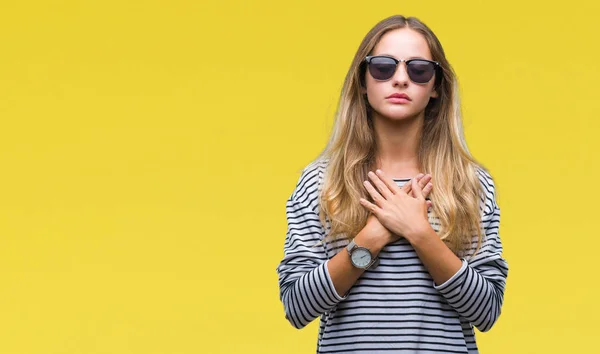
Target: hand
402	214
423	183
376	231
374	234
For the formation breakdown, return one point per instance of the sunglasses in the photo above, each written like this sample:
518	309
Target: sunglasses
419	71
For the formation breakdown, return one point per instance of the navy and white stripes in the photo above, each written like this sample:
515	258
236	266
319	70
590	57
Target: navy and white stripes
396	306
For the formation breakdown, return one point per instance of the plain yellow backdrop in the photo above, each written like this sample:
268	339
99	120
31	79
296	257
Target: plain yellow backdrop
147	150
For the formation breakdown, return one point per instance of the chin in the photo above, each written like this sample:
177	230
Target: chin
400	116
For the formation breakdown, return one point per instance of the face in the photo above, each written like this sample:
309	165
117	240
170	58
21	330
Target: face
401	43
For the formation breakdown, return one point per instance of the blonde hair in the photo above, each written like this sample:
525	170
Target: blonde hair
443	152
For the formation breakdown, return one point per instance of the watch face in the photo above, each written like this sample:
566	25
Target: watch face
361	257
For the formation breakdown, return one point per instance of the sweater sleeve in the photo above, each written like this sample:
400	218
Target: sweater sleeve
476	291
305	286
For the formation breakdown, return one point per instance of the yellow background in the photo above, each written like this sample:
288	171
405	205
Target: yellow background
147	149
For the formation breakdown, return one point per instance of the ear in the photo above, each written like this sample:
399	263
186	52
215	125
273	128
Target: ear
434	94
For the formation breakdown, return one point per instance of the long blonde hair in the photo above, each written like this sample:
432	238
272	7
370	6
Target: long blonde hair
443	152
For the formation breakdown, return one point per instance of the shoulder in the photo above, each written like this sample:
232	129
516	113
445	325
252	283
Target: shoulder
488	188
310	182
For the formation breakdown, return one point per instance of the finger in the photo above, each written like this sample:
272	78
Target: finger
377	198
417	191
422	182
369	206
407	187
429	204
381	186
427	189
392	186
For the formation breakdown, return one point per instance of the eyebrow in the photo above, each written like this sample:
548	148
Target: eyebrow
413	57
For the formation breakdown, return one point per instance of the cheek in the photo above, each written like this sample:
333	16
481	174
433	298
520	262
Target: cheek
376	91
424	97
421	103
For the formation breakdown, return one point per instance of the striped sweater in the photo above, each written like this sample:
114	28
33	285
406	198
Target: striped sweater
396	307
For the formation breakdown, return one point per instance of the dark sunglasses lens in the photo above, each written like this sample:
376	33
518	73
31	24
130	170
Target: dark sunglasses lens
382	68
420	71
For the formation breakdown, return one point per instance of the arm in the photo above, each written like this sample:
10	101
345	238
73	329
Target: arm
474	287
310	284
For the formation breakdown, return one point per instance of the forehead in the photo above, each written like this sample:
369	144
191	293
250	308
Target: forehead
403	43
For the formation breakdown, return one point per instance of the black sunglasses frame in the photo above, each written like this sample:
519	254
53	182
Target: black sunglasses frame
436	67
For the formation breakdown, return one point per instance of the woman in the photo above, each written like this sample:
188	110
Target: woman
387	261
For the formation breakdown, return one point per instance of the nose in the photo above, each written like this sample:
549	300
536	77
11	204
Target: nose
400	76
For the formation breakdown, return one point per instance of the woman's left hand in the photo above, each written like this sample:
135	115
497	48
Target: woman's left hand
401	213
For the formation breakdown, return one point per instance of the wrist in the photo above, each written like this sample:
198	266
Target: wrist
421	235
373	243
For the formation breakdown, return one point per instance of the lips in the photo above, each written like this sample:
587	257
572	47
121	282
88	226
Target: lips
399	95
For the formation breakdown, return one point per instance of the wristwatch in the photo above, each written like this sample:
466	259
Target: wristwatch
361	256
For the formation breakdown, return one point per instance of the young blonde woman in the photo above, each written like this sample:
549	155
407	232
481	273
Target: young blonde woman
393	229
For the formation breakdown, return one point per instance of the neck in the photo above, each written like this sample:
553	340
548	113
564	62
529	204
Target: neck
398	145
